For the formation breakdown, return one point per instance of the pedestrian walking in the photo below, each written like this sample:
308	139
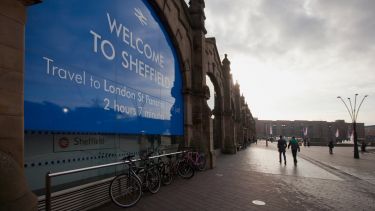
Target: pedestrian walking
293	143
281	145
363	146
331	145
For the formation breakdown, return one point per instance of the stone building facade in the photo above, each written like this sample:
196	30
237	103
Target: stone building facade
370	134
232	125
318	132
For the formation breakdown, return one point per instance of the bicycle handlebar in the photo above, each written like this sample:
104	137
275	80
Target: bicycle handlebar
128	158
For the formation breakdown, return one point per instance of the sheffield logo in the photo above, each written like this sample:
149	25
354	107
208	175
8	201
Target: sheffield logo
63	142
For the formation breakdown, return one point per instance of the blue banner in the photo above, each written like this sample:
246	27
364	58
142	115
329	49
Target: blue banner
101	66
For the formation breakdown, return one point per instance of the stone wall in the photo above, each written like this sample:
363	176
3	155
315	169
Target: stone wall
14	194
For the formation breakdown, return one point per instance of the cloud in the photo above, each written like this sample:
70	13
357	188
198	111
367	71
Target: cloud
321	48
282	26
349	21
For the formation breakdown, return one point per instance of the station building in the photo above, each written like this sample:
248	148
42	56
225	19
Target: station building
85	84
370	134
317	132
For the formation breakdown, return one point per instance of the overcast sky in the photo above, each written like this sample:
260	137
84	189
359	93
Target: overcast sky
292	58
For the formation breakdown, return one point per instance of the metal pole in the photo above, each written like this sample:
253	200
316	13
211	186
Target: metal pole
356	153
48	192
354	114
351	116
355	106
352	111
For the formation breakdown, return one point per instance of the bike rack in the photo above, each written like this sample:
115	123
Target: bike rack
50	175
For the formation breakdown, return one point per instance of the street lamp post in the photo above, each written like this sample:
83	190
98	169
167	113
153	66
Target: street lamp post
353	112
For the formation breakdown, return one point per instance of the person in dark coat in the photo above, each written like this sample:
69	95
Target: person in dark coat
295	146
331	145
281	145
363	146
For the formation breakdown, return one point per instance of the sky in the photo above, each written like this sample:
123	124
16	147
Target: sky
292	58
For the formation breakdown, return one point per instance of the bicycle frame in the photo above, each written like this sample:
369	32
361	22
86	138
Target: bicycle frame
193	157
196	159
130	170
117	190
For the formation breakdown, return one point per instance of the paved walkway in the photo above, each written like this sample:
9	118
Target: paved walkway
342	160
319	182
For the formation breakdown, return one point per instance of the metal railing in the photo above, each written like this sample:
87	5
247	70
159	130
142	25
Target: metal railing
50	175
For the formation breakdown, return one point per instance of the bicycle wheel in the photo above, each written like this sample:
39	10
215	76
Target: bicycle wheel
166	175
125	190
185	169
201	164
153	180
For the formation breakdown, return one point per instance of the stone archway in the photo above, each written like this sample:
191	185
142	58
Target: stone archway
213	72
216	113
220	77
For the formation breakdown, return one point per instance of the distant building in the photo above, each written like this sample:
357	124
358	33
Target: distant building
318	132
370	133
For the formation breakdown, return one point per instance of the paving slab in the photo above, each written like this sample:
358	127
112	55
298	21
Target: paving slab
253	179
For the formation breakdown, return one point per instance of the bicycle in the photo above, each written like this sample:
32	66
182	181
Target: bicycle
197	159
169	169
126	189
149	175
164	171
180	166
165	176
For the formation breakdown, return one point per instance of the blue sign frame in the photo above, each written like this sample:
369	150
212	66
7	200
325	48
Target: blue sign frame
104	67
